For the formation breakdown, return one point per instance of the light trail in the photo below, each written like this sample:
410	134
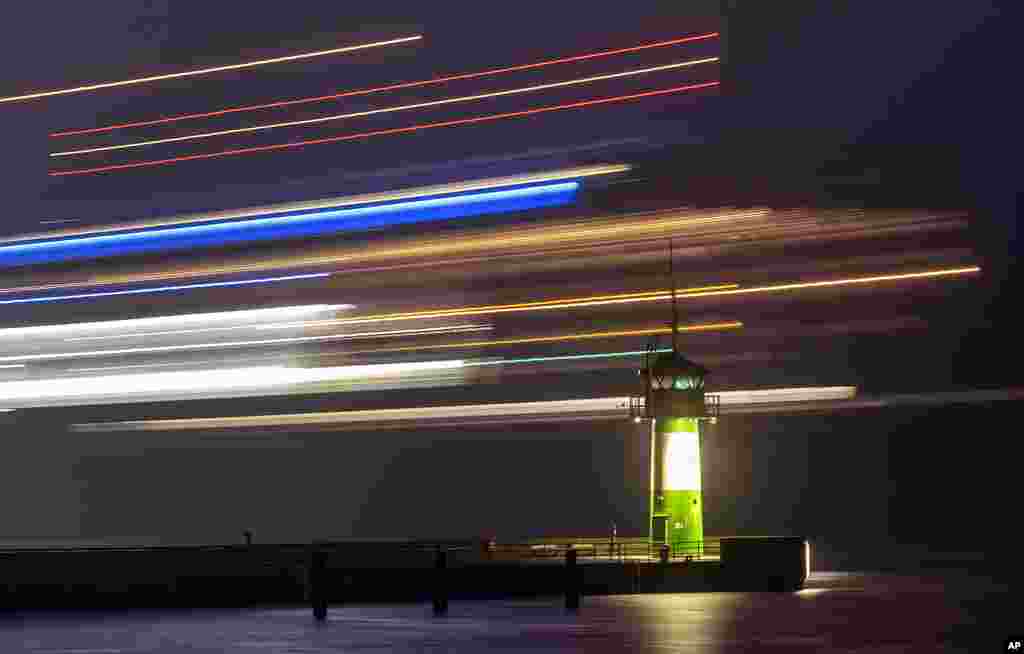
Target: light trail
467	364
692	228
302	225
540	305
565	357
207	71
386	110
648	296
560	338
57	331
548	236
491	183
53	356
386	132
389	87
204	383
198	330
886	401
554	410
162	289
178	364
264	326
776	395
564	303
475	363
842	282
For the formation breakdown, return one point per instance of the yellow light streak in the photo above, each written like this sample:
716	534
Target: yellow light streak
841	282
540	305
561	337
647	296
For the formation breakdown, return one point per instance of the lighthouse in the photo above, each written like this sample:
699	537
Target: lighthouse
675	406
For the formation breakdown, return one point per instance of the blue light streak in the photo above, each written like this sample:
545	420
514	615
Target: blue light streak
162	289
293	225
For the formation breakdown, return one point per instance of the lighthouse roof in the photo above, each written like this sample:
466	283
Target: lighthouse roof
674	364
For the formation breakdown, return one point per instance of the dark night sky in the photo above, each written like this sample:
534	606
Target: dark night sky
852	85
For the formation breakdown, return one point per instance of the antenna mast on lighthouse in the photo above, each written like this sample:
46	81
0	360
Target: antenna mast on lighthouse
675	309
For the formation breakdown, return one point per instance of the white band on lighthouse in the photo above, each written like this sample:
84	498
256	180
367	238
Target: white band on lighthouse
682	460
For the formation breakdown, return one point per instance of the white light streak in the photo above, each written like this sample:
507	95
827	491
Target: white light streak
291	325
149	366
205	71
810	394
52	356
183	320
598	407
156	289
206	383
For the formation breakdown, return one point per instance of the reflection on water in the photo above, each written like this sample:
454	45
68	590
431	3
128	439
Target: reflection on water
837	612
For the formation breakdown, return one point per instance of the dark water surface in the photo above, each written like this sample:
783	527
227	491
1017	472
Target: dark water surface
838	612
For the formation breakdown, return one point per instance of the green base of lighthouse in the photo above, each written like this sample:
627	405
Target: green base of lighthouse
681	515
676	511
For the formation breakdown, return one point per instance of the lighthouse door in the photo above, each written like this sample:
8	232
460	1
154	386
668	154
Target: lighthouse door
659	529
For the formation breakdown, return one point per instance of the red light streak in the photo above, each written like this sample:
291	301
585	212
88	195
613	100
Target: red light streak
384	132
387	110
389	87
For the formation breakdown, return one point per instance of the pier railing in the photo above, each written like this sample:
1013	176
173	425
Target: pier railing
596	548
628	549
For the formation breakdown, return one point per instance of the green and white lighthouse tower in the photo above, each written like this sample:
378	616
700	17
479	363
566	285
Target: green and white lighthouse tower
675	405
